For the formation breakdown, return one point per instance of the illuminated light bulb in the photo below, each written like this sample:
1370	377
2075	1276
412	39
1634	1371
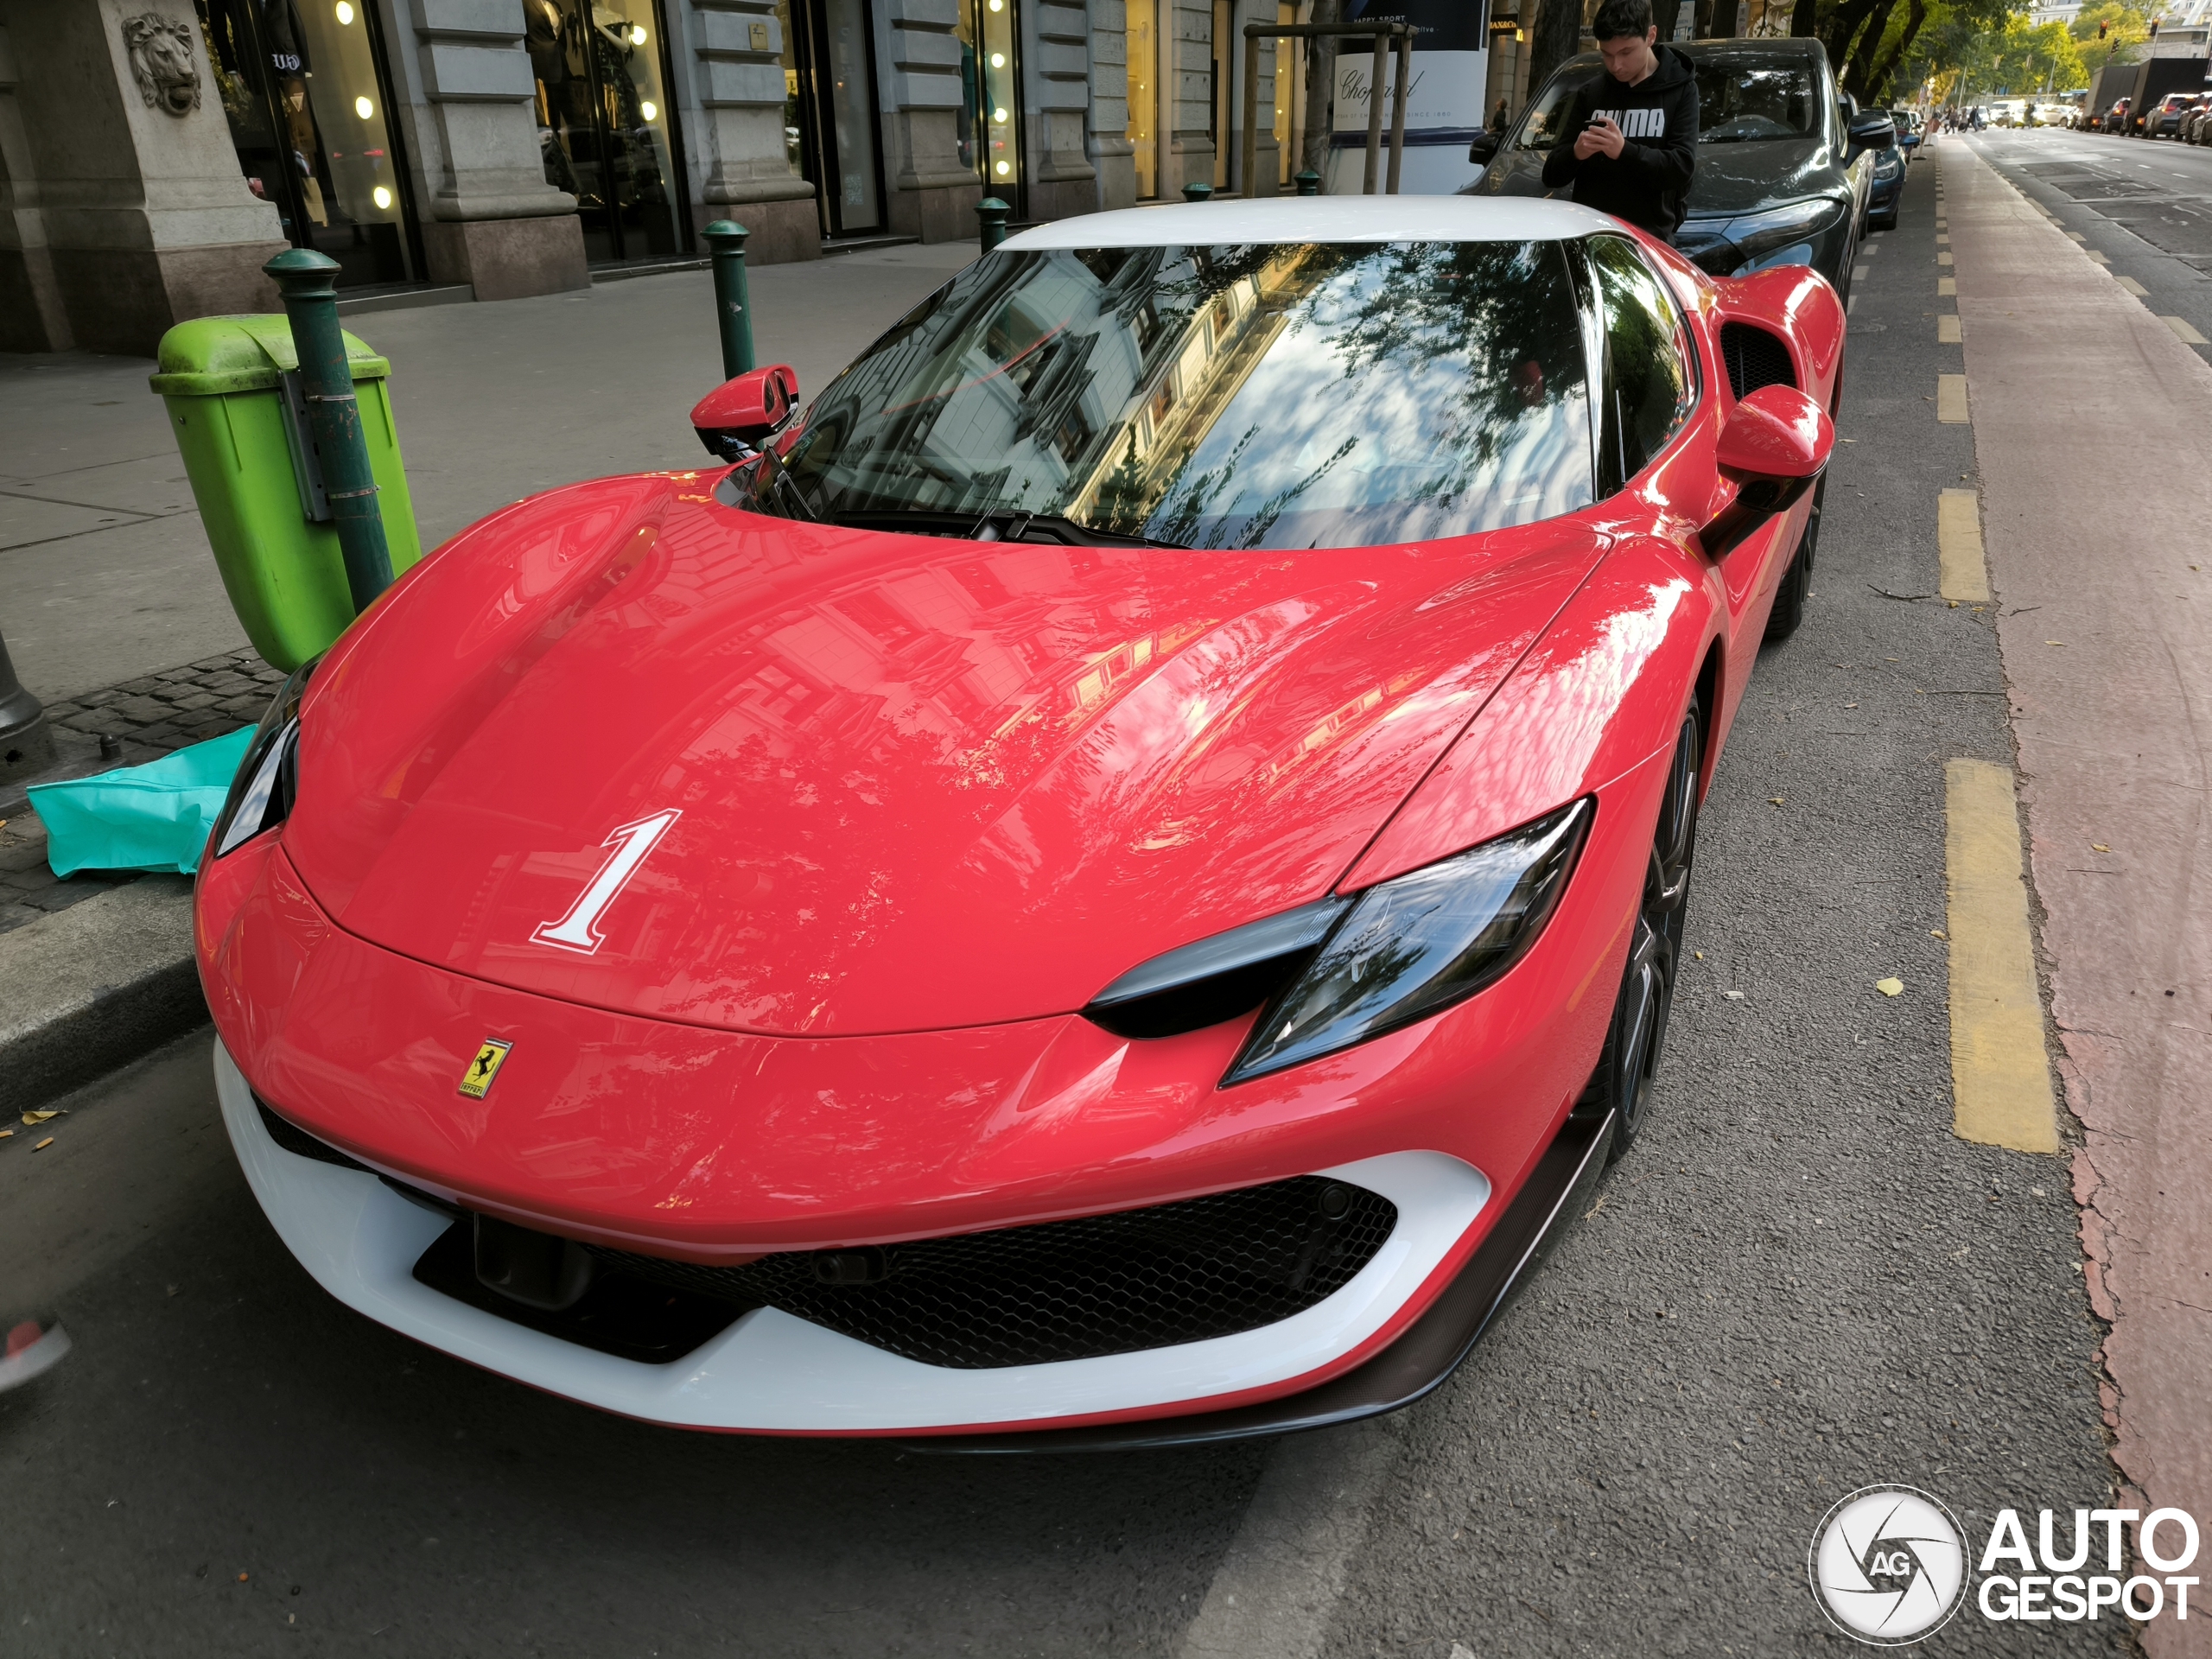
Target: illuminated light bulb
998	116
650	109
998	59
381	196
345	11
1005	167
363	108
998	5
638	37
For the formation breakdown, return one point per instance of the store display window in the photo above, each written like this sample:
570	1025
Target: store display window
605	124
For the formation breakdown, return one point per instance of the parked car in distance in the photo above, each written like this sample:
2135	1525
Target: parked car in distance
1887	192
1908	124
1785	158
2163	118
2195	125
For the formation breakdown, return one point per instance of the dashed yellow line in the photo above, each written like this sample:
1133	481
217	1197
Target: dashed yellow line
1951	399
2131	286
2183	332
2001	1075
1947	330
1943	259
1965	573
1946	287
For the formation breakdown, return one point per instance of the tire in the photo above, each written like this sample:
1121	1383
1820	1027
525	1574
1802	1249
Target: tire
1797	580
1637	1031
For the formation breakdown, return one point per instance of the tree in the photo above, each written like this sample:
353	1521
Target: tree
2124	25
1556	37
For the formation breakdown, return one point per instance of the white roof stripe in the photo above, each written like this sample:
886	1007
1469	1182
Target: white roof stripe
1321	218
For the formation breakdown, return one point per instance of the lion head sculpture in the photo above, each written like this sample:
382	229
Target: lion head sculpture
161	62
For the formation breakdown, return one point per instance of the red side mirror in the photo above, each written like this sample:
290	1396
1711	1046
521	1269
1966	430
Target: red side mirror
735	417
1776	443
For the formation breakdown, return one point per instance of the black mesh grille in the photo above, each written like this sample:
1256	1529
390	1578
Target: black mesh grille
1754	358
1077	1290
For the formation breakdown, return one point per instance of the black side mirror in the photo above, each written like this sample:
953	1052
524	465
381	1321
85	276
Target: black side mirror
1874	130
1483	147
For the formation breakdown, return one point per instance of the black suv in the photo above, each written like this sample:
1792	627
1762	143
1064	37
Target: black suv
1785	158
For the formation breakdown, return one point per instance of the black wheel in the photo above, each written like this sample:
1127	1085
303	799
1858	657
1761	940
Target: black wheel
1797	580
1623	1079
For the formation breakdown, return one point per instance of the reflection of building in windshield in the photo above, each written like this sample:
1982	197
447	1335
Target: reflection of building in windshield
1186	391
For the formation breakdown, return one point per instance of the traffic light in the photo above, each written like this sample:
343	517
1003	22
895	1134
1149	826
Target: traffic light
2101	29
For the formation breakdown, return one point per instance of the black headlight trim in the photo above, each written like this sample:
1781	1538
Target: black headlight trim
1554	845
263	789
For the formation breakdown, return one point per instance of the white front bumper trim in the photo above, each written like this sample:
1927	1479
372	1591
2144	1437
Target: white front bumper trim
770	1371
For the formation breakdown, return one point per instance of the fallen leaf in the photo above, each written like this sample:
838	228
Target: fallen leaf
1889	987
2054	642
1596	1207
1699	955
1851	705
1733	996
30	1118
4	1134
2099	847
242	1577
44	1144
1937	933
1774	800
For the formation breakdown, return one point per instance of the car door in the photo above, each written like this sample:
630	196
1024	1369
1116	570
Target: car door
1650	387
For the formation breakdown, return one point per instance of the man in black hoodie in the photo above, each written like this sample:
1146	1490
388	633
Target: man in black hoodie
1628	140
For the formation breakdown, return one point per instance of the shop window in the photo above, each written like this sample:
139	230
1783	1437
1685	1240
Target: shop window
303	88
1144	93
1000	116
604	122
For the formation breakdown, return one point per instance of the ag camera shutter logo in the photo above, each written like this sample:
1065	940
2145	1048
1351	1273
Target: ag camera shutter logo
1888	1565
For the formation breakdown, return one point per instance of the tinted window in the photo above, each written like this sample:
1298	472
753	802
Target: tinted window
1300	394
1650	387
1739	101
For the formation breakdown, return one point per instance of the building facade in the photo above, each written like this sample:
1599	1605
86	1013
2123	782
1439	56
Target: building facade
154	153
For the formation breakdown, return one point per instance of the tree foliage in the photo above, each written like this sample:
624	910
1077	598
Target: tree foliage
1883	49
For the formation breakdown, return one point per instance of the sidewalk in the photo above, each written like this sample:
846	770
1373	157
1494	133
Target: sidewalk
2105	650
104	572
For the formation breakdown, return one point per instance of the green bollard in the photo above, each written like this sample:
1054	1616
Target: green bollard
990	213
733	307
308	283
1309	184
1197	191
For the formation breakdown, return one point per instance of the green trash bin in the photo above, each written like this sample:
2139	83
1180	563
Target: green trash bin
232	388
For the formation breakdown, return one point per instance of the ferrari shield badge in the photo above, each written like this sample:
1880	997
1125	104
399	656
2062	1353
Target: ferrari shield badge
484	1068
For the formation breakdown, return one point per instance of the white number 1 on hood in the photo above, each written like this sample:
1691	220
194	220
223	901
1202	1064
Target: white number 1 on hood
578	931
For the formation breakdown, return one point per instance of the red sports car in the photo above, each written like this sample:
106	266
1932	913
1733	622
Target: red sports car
1107	884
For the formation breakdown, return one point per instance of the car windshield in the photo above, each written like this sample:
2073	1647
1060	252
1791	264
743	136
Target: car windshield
1300	395
1739	99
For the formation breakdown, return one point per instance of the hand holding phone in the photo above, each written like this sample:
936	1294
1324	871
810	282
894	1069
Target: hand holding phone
1599	138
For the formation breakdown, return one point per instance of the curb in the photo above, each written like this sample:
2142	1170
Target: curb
95	985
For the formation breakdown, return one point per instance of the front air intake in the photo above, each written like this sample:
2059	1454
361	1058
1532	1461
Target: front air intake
1755	358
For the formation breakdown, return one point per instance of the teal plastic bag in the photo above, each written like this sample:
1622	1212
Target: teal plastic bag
156	816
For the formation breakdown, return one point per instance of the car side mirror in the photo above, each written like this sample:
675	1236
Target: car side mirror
1485	146
1775	445
1873	131
738	416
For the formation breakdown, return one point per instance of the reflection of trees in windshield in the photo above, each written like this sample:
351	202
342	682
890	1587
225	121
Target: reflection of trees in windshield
1300	394
1740	101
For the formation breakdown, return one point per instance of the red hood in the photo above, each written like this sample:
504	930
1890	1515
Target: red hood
922	783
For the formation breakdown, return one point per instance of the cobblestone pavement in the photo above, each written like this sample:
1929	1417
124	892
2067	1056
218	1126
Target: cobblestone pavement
142	720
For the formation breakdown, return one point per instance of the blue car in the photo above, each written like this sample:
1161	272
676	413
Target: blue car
1888	190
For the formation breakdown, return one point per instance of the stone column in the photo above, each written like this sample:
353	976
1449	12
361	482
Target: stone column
736	131
933	196
1267	158
468	108
1055	99
1113	157
32	317
126	209
1186	147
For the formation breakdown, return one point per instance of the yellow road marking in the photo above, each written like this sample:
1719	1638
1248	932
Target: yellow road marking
2075	236
1943	259
1946	329
1951	399
2183	332
1946	286
2097	257
1941	238
2000	1073
1958	547
2131	286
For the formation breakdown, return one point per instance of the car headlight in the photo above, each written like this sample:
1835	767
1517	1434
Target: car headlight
1754	234
1344	969
262	792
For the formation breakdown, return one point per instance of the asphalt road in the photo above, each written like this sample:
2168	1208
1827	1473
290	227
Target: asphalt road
1800	1282
2145	204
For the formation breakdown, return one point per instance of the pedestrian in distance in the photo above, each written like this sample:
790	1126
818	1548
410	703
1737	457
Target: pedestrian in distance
1497	121
1628	141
